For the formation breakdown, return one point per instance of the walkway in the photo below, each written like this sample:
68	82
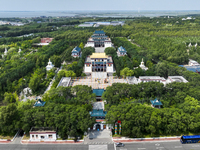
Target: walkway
99	49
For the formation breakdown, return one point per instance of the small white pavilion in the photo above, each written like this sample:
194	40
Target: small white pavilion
19	50
49	66
6	51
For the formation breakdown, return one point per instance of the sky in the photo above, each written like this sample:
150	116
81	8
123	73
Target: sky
92	5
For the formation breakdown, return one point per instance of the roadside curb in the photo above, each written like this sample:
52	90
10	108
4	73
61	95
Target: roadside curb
51	142
127	140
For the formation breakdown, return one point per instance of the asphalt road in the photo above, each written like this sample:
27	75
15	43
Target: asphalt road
169	145
48	147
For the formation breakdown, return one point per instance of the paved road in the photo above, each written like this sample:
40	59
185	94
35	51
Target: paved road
49	147
168	145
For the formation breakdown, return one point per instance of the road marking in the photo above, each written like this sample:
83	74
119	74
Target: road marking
123	149
159	147
141	148
157	144
195	146
98	147
178	147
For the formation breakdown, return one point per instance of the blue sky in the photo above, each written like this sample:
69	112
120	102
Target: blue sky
66	5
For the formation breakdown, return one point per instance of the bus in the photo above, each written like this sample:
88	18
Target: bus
190	139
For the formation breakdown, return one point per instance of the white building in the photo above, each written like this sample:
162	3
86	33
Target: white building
190	45
193	63
76	52
19	50
142	66
171	79
6	51
42	134
99	39
49	66
99	63
121	51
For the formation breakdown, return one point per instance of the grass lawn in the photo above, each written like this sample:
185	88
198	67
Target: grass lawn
6	137
26	137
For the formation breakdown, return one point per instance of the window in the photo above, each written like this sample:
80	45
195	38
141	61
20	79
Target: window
50	136
42	137
36	136
32	136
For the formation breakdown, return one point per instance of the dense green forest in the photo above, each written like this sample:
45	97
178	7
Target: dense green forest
161	42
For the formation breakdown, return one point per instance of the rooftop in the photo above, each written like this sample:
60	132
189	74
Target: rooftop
99	32
76	50
42	129
177	79
98	55
156	102
98	113
98	92
151	78
121	49
39	103
192	68
65	81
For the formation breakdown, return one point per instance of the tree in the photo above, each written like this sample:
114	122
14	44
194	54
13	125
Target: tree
81	45
110	51
126	72
34	83
9	98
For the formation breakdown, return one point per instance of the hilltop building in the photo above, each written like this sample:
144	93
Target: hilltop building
193	63
39	103
142	66
49	66
99	65
99	39
121	51
156	103
76	52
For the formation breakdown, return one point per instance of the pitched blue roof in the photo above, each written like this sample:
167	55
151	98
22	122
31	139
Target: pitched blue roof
191	68
156	102
98	113
76	50
39	103
121	49
98	92
99	32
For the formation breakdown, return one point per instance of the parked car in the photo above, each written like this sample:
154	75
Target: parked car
119	144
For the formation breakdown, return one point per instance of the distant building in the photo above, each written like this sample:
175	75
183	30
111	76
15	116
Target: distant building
19	50
6	51
86	25
39	103
76	52
99	65
99	39
44	41
184	19
190	45
65	82
121	51
176	79
156	103
142	66
99	93
189	18
49	66
42	134
193	63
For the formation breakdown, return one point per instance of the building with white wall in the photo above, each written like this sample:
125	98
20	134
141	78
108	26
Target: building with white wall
193	63
76	52
49	66
100	63
42	134
99	39
121	51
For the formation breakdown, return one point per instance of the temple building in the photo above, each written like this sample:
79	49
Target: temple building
99	39
156	103
99	65
76	52
121	51
142	66
49	66
19	50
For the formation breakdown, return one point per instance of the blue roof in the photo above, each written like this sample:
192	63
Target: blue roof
121	49
191	137
156	102
76	50
39	103
99	32
191	68
98	113
98	92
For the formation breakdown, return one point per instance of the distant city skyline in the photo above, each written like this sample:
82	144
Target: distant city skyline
91	5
